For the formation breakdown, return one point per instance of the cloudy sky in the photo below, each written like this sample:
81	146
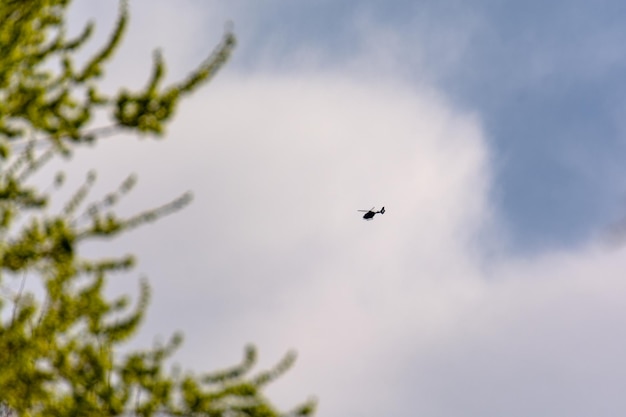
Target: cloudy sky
492	131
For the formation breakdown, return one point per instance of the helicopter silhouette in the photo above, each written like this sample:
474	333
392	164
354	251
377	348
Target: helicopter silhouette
369	214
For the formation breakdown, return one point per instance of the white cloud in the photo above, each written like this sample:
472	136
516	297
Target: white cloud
402	315
273	250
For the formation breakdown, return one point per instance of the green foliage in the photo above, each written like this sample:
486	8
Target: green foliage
59	348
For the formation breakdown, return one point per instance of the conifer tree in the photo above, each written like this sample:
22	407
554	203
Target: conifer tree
59	348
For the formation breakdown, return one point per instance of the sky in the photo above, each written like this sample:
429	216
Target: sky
493	133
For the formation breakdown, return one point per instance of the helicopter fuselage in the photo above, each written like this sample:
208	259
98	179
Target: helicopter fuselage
369	215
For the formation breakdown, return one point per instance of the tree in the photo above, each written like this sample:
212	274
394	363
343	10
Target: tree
59	352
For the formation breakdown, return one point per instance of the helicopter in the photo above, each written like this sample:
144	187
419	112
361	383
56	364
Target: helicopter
369	214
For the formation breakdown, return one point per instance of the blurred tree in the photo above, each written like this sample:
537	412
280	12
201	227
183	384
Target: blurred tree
59	347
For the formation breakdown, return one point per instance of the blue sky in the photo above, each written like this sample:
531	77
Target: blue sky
493	132
548	80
